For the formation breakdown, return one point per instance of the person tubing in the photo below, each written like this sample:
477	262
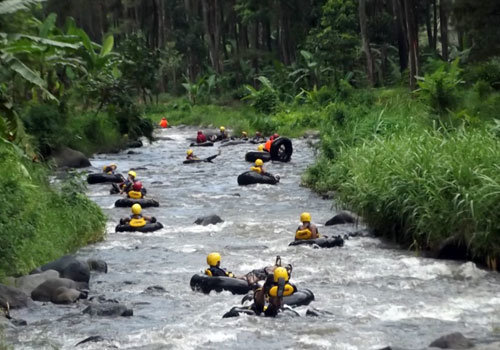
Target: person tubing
164	123
258	166
136	192
136	219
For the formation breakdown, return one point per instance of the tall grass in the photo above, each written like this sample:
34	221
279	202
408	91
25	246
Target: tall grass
239	117
39	223
425	187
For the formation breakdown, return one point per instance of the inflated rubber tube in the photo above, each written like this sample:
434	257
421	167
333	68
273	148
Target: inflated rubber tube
206	284
247	310
144	202
204	144
253	156
191	161
323	242
149	227
102	178
299	298
252	177
281	149
233	142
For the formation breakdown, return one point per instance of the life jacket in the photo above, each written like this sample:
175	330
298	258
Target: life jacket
134	194
267	145
288	289
257	169
303	234
201	138
214	271
137	221
164	123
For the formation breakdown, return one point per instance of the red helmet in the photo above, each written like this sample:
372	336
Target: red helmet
275	136
200	132
137	186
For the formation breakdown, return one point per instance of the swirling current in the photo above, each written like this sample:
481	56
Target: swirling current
372	294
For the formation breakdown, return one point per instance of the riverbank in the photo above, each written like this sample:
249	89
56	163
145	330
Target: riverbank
238	116
389	156
428	182
41	221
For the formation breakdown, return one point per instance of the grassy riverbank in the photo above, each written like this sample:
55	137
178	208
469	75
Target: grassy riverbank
416	176
41	221
238	116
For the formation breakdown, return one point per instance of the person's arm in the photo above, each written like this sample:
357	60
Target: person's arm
314	231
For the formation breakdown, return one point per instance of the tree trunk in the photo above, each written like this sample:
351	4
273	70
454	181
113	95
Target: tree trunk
212	31
428	24
435	29
443	20
366	42
412	33
400	27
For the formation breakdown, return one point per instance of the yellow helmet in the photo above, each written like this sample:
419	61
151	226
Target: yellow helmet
136	209
260	148
305	217
213	259
189	152
222	128
280	272
259	162
132	173
244	133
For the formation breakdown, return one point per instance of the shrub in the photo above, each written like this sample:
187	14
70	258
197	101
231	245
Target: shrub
39	223
47	124
440	88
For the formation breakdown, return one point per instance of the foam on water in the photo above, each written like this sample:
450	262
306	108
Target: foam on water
373	293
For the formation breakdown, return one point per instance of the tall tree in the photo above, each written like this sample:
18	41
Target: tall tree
412	35
444	8
400	28
365	41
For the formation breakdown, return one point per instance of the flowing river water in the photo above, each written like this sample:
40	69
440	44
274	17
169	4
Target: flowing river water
374	294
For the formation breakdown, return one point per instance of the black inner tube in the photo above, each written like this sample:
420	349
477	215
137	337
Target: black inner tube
282	149
149	227
323	242
206	284
252	177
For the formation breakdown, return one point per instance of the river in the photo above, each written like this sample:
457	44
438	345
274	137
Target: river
375	294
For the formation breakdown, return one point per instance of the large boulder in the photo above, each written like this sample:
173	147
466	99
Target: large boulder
60	291
12	298
70	267
29	282
344	217
208	220
108	309
67	157
452	341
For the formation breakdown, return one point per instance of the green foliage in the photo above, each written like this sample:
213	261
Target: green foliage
140	65
335	40
39	223
90	132
440	88
425	187
265	100
48	125
488	72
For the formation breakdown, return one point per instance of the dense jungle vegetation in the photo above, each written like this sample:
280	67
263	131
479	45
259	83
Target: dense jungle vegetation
404	92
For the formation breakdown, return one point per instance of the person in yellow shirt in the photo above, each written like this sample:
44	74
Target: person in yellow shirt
259	167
